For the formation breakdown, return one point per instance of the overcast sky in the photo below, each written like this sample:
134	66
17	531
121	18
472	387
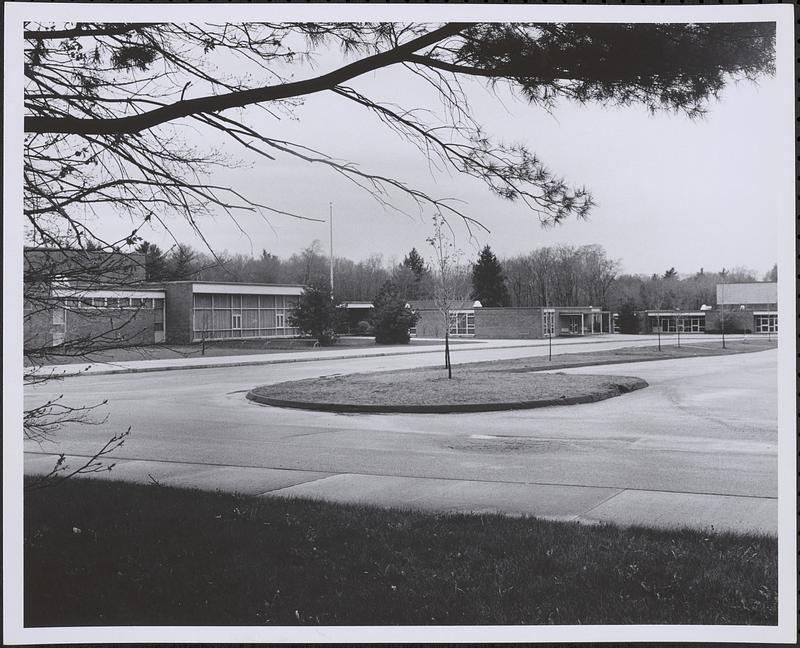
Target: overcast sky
670	191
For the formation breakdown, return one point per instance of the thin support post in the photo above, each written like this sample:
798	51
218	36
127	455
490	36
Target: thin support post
330	212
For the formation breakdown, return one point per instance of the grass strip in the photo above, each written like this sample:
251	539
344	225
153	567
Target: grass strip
110	553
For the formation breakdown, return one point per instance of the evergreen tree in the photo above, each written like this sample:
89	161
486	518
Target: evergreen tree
672	273
182	263
488	280
316	315
155	263
390	317
414	262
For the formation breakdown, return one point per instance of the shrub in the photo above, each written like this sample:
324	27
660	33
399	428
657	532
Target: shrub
390	317
316	315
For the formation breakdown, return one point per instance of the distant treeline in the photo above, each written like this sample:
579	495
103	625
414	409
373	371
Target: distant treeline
562	275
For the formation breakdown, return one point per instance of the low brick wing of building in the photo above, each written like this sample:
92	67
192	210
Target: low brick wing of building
470	319
87	300
745	308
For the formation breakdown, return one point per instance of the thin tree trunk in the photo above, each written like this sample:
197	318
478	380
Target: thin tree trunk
447	354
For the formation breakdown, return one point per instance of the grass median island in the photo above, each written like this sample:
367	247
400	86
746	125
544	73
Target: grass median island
110	553
429	389
484	386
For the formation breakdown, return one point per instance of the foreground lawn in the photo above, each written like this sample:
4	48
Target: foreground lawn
106	553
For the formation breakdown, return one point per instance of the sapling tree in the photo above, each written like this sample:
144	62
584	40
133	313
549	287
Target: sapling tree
445	264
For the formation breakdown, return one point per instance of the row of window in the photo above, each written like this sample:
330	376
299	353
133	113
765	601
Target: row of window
114	302
250	318
238	316
766	323
679	324
235	334
462	323
244	301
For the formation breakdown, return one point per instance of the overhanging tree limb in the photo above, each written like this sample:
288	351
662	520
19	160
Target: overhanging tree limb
215	103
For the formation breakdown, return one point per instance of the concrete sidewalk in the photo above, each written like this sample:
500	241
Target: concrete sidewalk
171	364
586	504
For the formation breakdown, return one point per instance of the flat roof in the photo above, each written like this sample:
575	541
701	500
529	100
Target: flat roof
140	293
228	283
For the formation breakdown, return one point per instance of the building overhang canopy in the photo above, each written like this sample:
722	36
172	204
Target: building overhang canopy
356	305
245	289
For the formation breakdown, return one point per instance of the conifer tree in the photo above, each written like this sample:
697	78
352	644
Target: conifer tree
488	281
390	317
414	262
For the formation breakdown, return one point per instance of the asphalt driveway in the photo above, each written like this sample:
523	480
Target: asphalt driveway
697	448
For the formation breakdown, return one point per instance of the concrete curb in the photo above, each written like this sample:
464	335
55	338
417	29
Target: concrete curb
452	408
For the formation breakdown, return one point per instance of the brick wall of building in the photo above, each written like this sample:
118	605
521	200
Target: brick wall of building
430	324
38	329
98	327
508	323
108	327
179	304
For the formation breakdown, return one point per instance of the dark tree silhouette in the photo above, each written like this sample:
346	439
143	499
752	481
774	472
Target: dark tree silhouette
488	281
155	262
316	315
181	264
627	321
390	317
414	262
